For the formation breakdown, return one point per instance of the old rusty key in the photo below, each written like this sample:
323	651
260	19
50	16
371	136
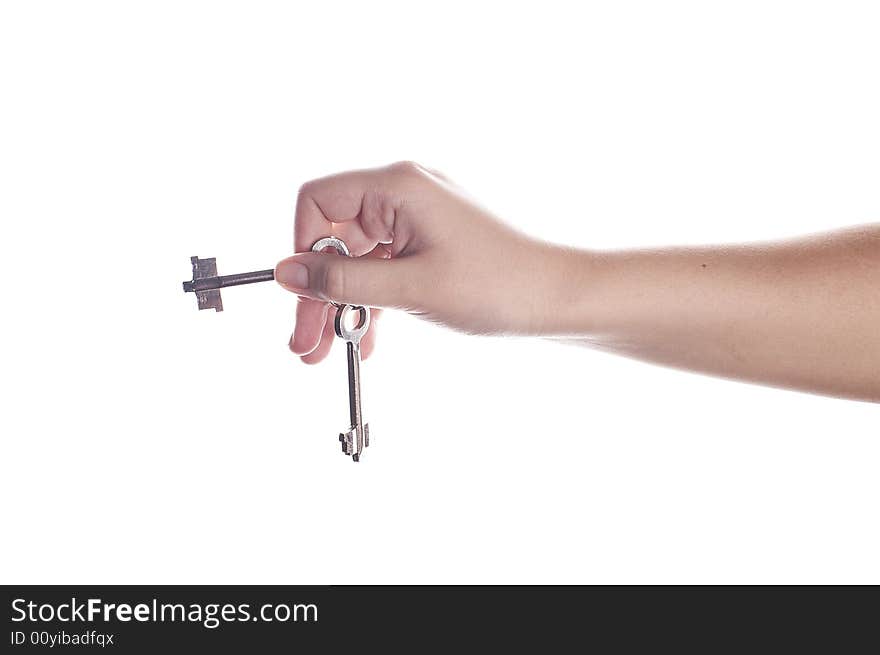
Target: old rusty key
206	284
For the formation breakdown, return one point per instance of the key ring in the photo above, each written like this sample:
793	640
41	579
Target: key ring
331	242
351	334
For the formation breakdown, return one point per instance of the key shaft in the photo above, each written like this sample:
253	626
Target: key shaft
355	414
221	281
360	437
206	284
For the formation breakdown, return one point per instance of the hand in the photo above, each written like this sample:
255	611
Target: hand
418	244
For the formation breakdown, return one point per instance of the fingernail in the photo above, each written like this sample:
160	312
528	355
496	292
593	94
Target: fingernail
292	274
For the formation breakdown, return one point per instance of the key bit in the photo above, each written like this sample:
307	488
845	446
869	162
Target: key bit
206	284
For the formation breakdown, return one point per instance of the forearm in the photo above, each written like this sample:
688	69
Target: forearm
803	314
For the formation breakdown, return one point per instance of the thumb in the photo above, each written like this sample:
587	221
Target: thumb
366	281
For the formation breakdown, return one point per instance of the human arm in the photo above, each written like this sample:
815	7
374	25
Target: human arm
801	313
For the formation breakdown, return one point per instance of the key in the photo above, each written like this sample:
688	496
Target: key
206	284
358	435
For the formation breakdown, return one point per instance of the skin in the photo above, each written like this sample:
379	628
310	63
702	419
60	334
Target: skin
801	314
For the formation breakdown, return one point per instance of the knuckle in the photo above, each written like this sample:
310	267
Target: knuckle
305	189
406	167
377	216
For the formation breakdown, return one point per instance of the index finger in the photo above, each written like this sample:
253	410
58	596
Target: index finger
330	206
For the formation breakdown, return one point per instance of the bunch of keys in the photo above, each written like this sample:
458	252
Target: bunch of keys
206	284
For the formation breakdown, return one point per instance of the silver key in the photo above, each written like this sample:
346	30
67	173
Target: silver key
358	435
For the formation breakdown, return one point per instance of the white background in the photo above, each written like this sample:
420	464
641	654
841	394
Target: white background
146	442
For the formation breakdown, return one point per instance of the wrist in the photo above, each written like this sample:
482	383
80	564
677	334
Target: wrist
551	293
574	287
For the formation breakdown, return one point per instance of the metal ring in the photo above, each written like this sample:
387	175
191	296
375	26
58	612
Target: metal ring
354	335
332	242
